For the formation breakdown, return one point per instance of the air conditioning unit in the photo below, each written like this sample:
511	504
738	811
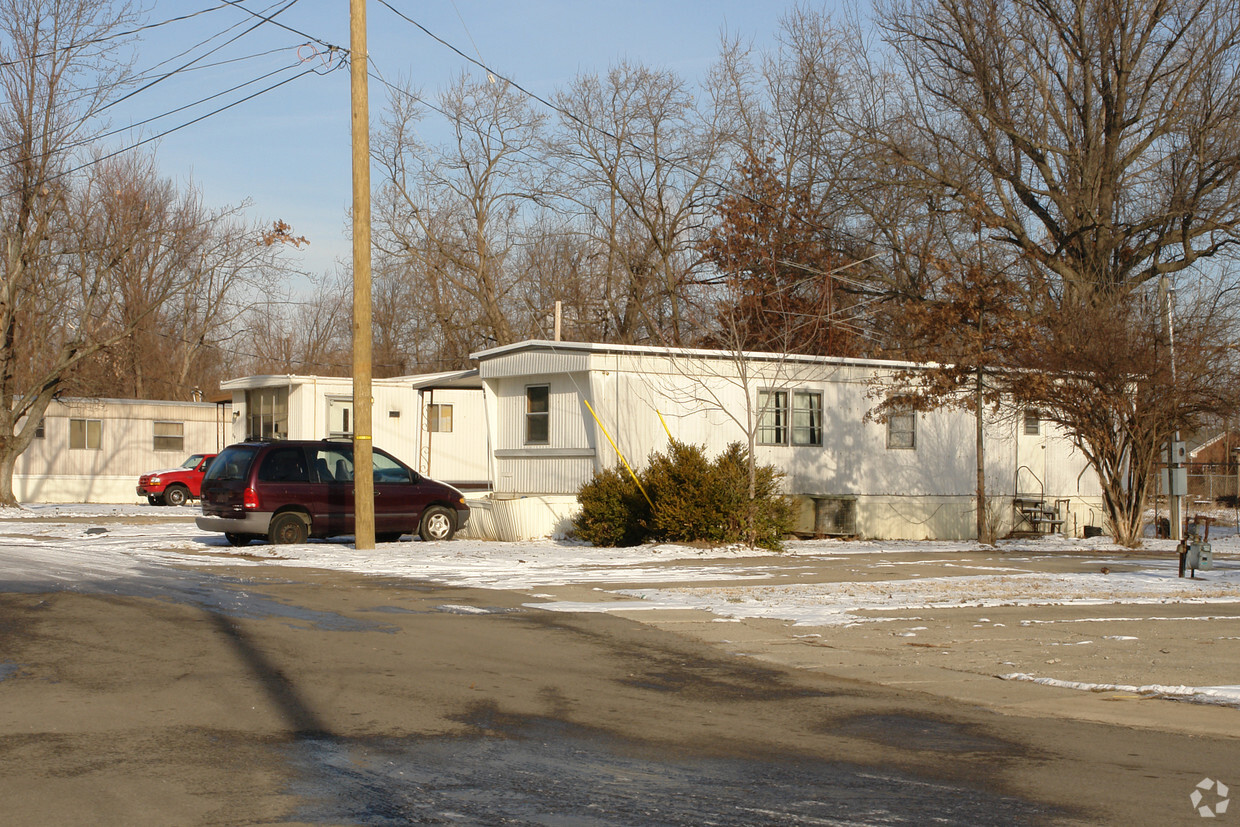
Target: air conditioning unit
830	516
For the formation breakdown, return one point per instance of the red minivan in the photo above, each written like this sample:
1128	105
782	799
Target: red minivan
291	490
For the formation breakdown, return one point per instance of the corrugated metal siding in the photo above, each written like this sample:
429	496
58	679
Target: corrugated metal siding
710	410
567	419
533	363
126	438
542	475
458	455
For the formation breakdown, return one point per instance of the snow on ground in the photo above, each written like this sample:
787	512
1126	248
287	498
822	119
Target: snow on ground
64	545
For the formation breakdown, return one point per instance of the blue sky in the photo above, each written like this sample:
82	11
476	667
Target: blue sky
288	150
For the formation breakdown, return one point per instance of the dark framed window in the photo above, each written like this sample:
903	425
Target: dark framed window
387	470
85	434
170	436
806	418
538	414
773	417
40	430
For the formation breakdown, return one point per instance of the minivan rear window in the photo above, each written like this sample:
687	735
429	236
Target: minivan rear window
232	463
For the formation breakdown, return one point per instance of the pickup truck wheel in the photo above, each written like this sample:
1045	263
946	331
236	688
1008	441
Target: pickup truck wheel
288	529
238	539
437	524
153	500
176	495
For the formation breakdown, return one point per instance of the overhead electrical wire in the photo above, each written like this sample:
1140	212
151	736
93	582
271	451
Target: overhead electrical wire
332	49
121	129
188	123
193	65
237	4
208	53
116	35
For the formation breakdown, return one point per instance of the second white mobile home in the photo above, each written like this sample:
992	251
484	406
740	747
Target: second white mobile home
555	409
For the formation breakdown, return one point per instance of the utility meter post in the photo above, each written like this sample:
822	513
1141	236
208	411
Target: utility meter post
1177	486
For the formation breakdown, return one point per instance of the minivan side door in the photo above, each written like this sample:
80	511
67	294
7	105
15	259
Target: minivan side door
333	467
399	500
283	477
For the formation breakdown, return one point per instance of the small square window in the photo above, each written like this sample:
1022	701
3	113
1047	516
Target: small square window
439	418
902	430
40	430
1033	422
170	436
538	414
85	434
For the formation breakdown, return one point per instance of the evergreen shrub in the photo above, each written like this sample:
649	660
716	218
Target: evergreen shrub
695	500
613	510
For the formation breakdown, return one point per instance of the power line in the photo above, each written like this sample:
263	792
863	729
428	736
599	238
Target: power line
115	36
329	46
179	127
188	66
185	66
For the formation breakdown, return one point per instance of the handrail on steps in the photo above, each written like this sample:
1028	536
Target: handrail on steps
1041	486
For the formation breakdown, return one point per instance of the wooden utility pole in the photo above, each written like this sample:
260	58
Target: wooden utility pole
363	457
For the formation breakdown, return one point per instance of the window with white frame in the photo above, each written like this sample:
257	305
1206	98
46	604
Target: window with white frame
538	414
902	430
170	436
772	417
85	434
1033	422
439	418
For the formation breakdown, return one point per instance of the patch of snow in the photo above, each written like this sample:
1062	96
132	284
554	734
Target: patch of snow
1221	695
65	549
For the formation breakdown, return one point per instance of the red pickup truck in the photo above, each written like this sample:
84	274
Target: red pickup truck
176	485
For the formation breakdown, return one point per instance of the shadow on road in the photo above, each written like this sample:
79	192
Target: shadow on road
283	693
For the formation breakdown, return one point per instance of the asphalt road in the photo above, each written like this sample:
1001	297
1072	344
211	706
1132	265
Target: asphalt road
295	696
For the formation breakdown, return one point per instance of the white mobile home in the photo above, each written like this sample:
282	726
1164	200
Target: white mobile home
432	422
555	408
93	450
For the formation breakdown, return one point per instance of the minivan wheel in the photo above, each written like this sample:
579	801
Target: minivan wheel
437	524
288	529
238	539
388	537
176	495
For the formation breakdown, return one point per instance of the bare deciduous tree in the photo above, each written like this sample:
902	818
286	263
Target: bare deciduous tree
451	216
1094	141
59	63
639	159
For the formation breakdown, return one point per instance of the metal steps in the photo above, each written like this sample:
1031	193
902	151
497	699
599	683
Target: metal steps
1035	517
